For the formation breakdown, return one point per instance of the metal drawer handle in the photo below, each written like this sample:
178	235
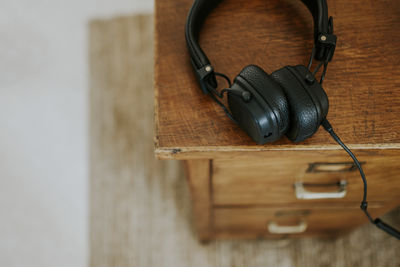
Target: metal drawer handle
274	228
332	167
302	193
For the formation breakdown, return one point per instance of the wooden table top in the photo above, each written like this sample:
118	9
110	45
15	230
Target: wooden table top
362	82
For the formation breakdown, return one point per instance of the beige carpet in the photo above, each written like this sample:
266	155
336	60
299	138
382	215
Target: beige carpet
140	212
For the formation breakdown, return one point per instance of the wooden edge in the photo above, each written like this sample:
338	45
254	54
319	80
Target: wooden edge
198	174
238	151
251	235
155	69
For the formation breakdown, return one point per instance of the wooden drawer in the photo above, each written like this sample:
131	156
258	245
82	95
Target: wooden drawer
270	180
286	221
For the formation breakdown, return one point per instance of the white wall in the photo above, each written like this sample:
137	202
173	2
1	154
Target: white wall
44	127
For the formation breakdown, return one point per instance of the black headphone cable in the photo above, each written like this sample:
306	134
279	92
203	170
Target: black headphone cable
364	204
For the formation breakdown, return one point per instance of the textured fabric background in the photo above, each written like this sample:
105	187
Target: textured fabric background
140	212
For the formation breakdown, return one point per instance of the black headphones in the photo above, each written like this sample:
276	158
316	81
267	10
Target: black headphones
288	101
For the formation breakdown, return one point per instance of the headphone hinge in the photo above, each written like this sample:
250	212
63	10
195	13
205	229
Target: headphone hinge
327	41
202	75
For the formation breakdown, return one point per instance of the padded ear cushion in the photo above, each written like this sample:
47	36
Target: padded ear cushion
308	102
270	91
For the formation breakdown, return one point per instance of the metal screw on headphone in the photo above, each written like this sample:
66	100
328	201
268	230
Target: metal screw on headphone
323	38
208	68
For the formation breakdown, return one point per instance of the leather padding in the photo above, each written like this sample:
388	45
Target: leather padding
271	92
308	103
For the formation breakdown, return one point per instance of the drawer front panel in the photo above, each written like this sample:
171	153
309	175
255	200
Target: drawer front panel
288	221
305	177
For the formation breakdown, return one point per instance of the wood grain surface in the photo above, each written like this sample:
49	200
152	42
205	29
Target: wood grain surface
269	180
198	177
255	219
362	82
140	213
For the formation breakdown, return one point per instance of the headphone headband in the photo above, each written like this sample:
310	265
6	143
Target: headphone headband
323	26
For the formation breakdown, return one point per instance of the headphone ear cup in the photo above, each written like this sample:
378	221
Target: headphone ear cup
271	92
308	102
265	117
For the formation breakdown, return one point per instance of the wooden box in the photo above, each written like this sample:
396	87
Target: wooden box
243	190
